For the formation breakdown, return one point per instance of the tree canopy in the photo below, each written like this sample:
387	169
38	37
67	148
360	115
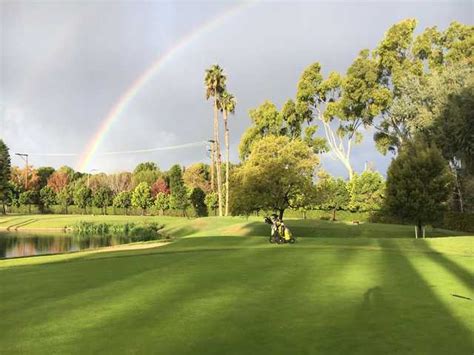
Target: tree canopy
418	184
277	171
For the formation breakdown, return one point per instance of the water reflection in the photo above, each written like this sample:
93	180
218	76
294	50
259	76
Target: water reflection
17	244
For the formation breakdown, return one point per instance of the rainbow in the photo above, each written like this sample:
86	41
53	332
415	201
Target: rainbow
126	98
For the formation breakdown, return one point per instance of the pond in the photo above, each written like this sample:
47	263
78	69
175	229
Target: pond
20	244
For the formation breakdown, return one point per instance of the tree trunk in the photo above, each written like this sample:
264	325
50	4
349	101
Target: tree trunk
226	139
351	172
218	157
334	214
457	185
419	227
280	214
213	149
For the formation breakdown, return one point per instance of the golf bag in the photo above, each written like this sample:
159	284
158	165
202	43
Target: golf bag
280	234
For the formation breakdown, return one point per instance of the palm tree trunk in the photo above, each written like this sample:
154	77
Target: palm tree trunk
213	187
217	156
226	138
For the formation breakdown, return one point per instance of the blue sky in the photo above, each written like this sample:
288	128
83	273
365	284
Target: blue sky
63	65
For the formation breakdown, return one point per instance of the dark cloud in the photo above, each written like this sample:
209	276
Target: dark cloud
64	65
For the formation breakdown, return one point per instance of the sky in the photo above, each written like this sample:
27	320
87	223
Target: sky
65	67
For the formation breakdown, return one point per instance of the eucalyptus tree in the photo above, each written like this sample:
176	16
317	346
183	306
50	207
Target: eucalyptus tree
289	122
215	82
413	70
227	105
320	99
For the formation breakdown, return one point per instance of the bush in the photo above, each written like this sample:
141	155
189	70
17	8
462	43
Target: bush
139	232
459	221
146	232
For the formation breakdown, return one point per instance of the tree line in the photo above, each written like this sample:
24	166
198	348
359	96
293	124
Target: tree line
178	189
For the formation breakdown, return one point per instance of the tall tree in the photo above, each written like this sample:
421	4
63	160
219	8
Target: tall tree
120	182
58	181
227	104
5	166
320	99
405	66
123	200
268	121
160	186
179	194
44	173
211	202
332	193
215	82
418	184
26	177
162	202
145	172
141	197
102	198
366	191
277	171
149	165
197	199
175	175
82	197
27	198
65	197
47	197
197	175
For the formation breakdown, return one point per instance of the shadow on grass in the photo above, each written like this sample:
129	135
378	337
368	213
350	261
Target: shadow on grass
463	275
403	315
238	302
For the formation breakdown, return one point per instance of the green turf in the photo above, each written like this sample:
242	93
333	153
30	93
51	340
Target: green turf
222	289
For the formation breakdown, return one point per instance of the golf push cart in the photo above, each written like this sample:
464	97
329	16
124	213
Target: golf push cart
280	234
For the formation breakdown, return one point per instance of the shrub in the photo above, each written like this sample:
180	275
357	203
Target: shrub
459	221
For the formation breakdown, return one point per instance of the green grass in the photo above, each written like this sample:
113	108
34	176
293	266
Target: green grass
221	288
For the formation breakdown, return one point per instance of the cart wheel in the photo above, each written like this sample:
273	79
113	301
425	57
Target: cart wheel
292	241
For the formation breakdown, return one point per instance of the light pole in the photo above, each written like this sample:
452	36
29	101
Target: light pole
24	156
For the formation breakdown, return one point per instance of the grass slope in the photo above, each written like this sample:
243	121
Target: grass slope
224	289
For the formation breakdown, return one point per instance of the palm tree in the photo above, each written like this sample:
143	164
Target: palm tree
227	104
215	86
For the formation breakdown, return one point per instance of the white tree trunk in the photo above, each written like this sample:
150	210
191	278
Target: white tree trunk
338	147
